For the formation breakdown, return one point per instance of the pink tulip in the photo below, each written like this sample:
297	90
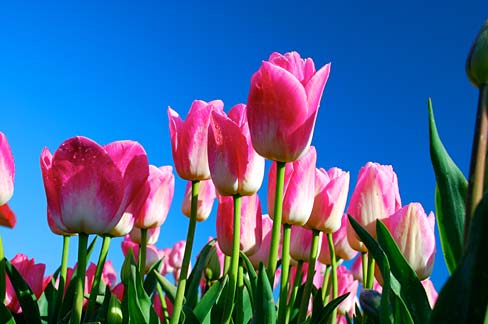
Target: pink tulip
166	268
7	171
341	245
189	139
123	227
152	235
88	187
262	254
430	291
282	105
298	191
160	185
301	243
234	165
206	197
175	258
152	253
32	273
357	273
251	224
331	189
413	232
346	284
376	196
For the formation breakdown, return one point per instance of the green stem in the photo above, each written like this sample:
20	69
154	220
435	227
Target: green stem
142	252
370	279
326	284
234	263
310	273
62	275
80	279
164	307
278	209
226	264
285	269
3	278
364	265
180	292
98	275
335	288
478	160
239	311
296	285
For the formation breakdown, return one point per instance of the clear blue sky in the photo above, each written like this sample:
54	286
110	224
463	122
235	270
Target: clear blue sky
108	70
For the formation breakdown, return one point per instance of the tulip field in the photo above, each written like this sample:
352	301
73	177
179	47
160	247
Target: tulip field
332	247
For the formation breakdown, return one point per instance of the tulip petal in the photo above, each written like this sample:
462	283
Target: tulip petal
7	170
7	216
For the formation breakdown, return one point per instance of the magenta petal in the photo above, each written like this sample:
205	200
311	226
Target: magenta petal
7	216
7	170
315	87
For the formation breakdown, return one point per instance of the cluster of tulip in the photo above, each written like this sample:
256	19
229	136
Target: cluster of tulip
111	191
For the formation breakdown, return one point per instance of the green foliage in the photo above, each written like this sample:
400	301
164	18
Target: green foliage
449	199
264	308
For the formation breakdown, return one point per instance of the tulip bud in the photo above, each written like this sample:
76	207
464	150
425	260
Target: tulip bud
341	245
370	301
477	62
301	243
206	197
262	254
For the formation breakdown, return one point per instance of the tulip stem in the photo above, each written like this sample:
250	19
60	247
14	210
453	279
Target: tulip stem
98	275
370	278
80	279
296	285
478	160
226	264
234	263
180	291
3	282
164	307
285	269
278	208
326	284
364	266
335	288
142	252
62	275
310	273
239	310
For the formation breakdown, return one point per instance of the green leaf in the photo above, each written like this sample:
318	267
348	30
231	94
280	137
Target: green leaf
411	288
26	297
114	312
323	315
191	291
464	297
204	307
450	198
265	308
91	247
151	281
5	315
47	303
251	280
167	287
139	303
67	305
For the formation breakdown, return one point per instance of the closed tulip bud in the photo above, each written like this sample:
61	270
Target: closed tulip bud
152	253
376	196
413	232
262	254
189	139
251	224
371	303
346	284
301	243
166	268
7	171
206	197
331	189
282	105
175	258
341	245
88	186
215	263
160	187
430	291
235	166
152	235
477	62
298	191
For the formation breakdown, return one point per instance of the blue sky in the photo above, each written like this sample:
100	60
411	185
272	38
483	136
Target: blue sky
109	70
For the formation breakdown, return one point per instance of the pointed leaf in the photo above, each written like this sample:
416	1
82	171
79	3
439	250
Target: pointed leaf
5	316
323	314
204	307
265	308
151	281
464	297
450	197
191	291
167	287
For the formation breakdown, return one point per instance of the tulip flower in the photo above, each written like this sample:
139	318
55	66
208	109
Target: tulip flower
301	243
235	166
160	188
430	291
33	274
7	173
151	238
175	258
251	224
262	254
413	231
206	197
299	189
189	139
376	196
166	268
477	62
282	105
347	284
341	245
330	200
152	253
88	186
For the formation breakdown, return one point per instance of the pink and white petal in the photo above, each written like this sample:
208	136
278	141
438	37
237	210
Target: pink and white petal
7	170
315	87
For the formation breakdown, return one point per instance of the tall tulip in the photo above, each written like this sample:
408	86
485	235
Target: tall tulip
262	254
251	224
331	189
283	102
206	197
341	245
88	186
7	174
235	166
189	139
413	231
376	196
299	189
